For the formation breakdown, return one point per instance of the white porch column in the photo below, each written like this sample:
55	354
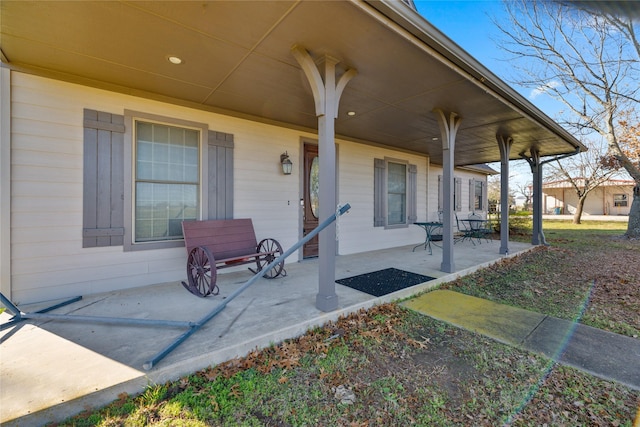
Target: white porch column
326	95
449	124
504	142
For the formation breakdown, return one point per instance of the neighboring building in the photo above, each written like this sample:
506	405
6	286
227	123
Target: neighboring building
610	198
118	120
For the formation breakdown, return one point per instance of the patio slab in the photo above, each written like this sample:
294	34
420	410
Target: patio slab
54	369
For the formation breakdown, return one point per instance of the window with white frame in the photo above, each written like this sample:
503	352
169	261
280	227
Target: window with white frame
167	180
620	200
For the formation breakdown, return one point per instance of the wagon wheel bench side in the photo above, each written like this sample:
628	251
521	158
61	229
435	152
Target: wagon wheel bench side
215	244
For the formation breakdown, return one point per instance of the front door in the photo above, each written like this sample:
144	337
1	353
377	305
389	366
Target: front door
310	201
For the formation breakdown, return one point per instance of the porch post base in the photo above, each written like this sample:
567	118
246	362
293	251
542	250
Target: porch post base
326	303
448	267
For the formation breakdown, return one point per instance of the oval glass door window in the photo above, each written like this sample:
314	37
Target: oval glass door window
314	185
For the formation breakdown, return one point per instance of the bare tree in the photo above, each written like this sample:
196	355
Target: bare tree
493	191
588	59
584	172
526	190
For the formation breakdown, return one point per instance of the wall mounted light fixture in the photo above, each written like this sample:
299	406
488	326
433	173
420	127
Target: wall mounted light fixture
286	164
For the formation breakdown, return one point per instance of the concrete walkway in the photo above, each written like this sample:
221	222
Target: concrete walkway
602	354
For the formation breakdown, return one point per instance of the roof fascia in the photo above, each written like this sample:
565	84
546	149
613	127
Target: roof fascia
417	25
483	169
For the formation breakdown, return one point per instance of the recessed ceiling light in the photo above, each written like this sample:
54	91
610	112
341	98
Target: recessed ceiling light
351	113
435	138
174	60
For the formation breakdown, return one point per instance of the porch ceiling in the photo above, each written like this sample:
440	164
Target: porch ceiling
237	60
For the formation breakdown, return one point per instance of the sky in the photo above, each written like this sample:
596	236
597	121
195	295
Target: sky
469	24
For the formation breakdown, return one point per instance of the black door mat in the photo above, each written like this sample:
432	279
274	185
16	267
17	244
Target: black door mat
384	282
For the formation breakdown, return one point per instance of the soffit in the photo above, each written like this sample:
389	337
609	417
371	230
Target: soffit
237	59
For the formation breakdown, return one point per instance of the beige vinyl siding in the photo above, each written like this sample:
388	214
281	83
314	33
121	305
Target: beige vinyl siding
464	176
356	170
48	260
261	191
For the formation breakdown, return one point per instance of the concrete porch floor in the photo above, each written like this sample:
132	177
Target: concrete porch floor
54	369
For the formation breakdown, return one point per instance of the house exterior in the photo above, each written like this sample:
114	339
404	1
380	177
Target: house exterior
119	121
613	197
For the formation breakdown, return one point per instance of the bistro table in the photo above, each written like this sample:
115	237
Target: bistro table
475	229
429	228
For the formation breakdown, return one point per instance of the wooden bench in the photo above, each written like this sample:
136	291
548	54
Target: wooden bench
215	244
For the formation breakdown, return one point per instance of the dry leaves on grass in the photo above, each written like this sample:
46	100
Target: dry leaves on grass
378	323
599	280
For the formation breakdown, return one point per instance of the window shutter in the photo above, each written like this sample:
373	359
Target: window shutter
220	158
457	193
103	179
440	200
412	194
472	194
485	201
378	193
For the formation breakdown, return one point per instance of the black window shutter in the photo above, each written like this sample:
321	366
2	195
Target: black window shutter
103	185
220	158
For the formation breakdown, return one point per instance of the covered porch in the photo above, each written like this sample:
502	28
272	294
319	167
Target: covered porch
88	365
374	73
